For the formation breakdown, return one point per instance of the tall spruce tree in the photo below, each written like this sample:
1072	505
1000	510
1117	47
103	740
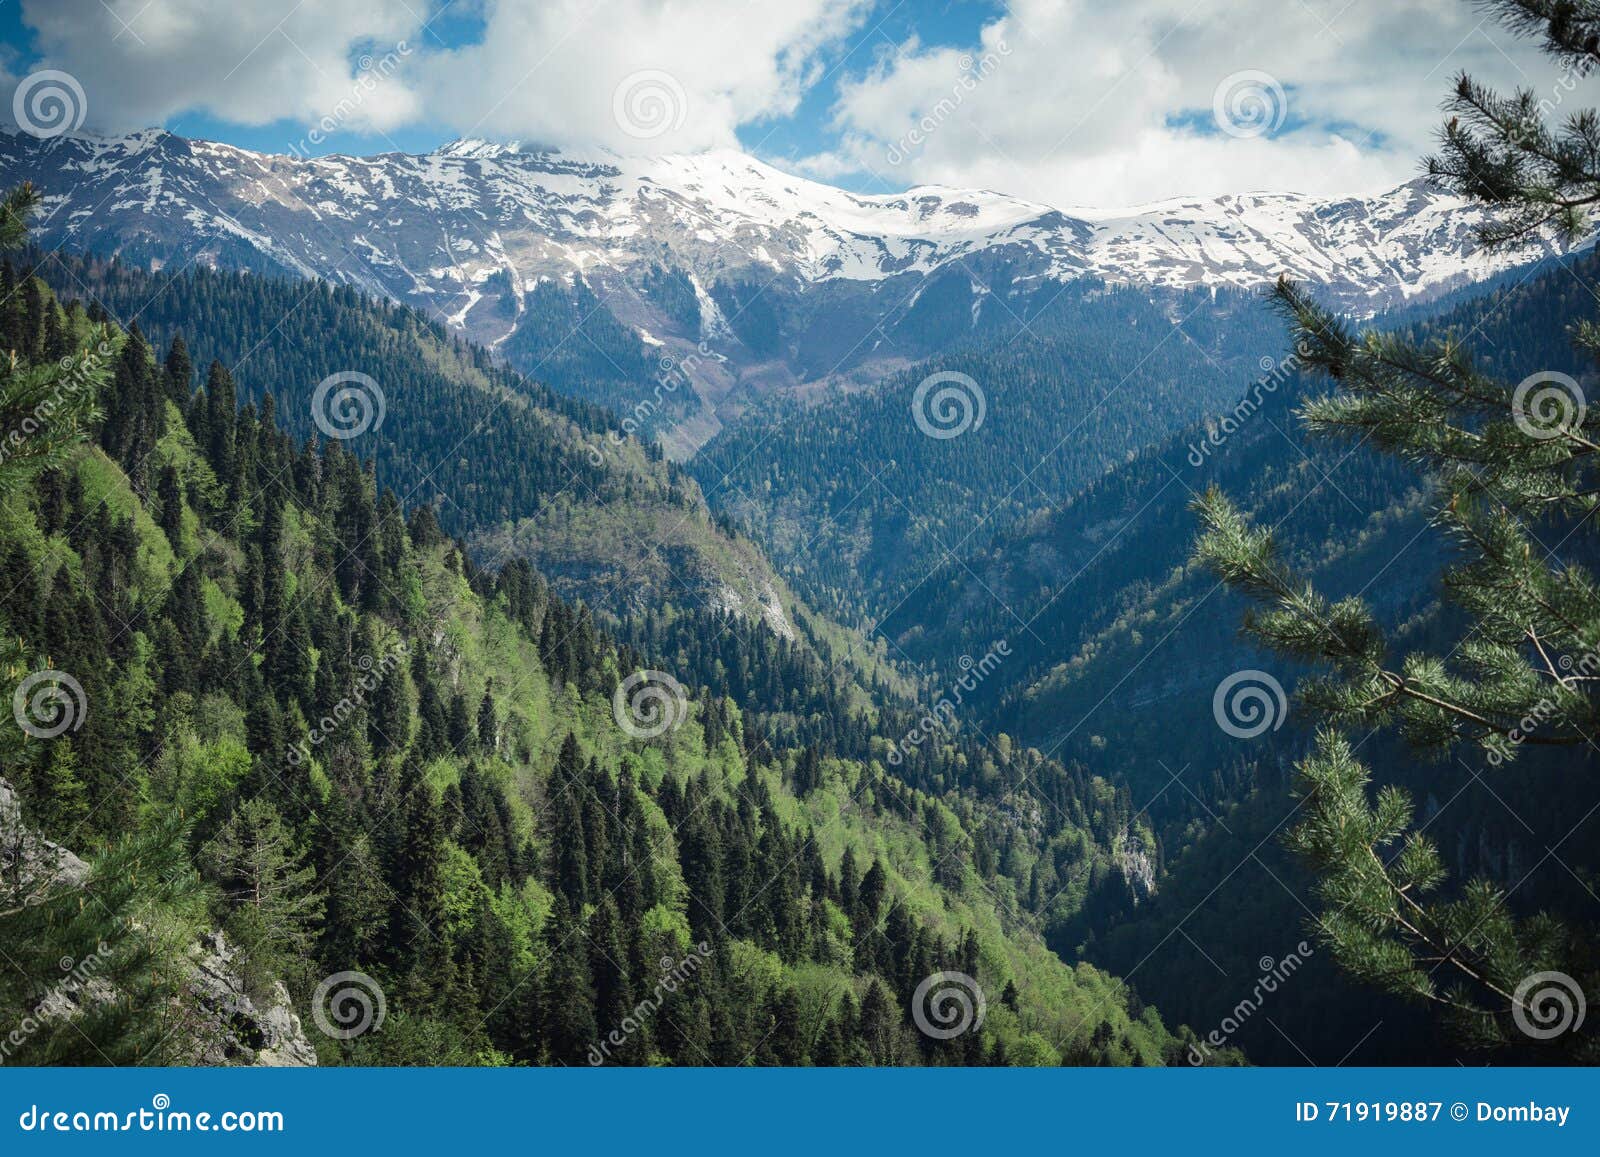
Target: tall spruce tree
46	402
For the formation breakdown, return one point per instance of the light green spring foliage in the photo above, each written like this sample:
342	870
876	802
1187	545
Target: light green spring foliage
44	408
276	902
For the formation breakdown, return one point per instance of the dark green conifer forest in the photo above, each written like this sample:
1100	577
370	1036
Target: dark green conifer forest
377	703
314	721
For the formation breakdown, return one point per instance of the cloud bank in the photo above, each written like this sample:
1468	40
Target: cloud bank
1069	102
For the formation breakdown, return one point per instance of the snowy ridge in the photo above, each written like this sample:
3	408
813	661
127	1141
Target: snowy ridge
464	231
718	210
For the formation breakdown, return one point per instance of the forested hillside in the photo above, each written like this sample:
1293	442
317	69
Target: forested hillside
512	467
301	653
273	697
1140	632
860	497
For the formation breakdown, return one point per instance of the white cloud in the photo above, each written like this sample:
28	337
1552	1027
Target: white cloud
1080	102
549	71
251	63
552	70
1089	103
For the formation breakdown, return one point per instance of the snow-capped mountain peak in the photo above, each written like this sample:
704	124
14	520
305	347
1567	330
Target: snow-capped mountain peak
666	241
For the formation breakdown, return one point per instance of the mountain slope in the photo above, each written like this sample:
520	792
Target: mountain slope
781	280
858	503
1128	642
425	783
443	425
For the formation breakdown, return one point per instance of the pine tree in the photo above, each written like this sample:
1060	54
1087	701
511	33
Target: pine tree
179	372
46	405
266	880
880	1025
568	1001
359	900
63	802
1509	459
93	935
572	868
488	728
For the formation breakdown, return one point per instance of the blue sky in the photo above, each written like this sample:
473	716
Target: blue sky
792	136
1070	102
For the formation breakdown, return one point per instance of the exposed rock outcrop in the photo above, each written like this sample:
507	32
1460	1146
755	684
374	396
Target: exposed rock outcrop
31	863
235	1028
1138	866
229	1026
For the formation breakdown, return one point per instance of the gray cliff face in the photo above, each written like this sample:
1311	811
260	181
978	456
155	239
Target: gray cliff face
224	1024
235	1028
32	863
1138	866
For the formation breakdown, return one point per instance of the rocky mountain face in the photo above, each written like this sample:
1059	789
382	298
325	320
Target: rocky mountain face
715	270
222	1022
